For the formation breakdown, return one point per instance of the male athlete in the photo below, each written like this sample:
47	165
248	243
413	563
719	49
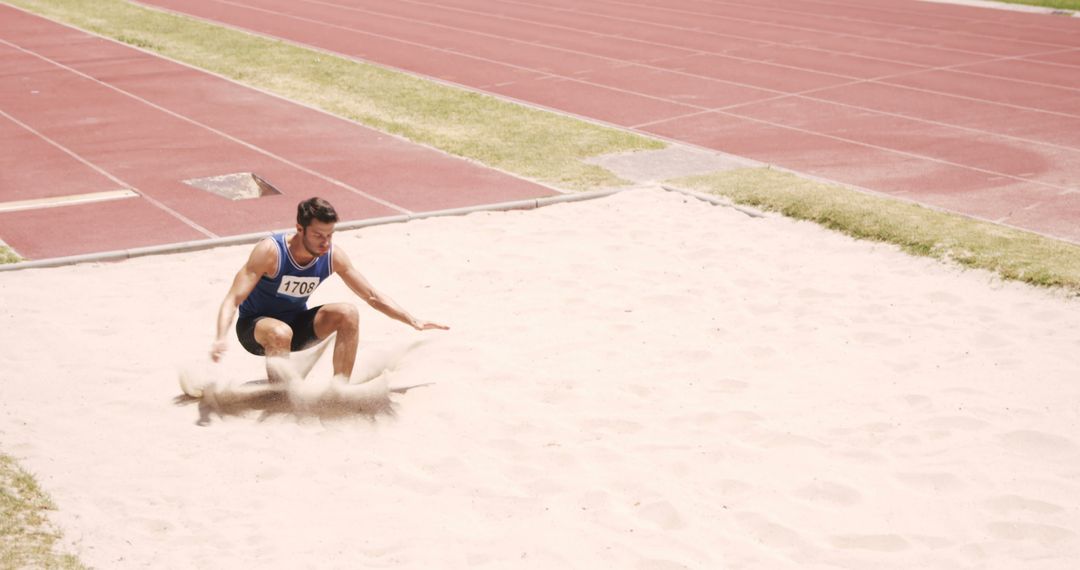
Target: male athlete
272	288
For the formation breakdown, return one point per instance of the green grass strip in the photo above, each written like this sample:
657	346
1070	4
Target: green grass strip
1011	253
8	256
547	146
528	142
1058	4
27	539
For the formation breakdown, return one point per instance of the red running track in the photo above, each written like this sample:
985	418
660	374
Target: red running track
80	114
968	109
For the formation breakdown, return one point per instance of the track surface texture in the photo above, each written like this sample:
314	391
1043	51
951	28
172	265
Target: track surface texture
968	109
82	115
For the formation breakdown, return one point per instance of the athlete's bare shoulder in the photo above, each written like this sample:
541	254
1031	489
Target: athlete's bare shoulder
264	258
341	261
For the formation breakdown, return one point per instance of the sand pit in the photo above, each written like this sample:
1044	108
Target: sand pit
642	382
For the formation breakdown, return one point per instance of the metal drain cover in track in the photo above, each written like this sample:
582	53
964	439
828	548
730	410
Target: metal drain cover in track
238	186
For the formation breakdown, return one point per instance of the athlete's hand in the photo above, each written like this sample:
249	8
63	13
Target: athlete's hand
217	349
428	325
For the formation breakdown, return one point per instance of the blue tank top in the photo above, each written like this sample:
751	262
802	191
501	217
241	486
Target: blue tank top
286	292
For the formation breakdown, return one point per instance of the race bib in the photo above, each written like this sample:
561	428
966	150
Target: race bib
297	287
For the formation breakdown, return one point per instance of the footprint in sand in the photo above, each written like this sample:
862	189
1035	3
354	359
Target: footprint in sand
874	542
1011	504
731	488
918	401
1042	533
902	365
828	492
269	474
727	386
157	526
770	534
937	482
1038	443
663	514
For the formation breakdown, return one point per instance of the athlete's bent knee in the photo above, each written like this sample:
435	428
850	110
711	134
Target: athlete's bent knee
278	337
350	316
343	318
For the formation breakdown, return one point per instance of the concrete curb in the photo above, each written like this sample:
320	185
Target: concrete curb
120	255
716	201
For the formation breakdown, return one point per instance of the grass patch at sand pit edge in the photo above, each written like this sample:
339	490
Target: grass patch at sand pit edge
7	255
529	142
1056	4
1011	253
27	538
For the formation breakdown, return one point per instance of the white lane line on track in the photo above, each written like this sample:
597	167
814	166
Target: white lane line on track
218	132
187	221
69	200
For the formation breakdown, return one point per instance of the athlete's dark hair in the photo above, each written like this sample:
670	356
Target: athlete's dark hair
315	209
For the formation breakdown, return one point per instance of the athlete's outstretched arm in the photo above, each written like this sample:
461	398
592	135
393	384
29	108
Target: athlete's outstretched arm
358	284
262	261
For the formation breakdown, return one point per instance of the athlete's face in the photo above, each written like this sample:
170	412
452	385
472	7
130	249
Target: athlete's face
316	237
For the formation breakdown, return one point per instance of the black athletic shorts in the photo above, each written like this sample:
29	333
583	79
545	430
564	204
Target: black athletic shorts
302	325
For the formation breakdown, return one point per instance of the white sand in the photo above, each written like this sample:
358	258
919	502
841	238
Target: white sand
639	382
